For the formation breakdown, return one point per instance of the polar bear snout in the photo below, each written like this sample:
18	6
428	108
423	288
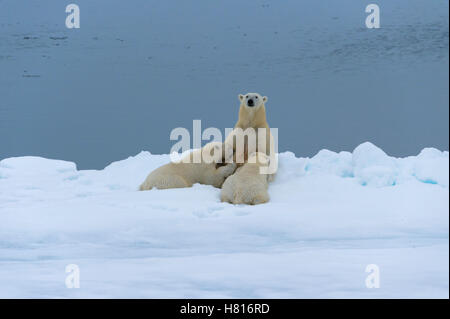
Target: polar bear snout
250	103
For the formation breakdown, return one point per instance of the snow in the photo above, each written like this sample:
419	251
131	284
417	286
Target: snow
372	166
329	217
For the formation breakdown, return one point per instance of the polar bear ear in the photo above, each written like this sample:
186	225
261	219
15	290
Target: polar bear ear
241	97
265	99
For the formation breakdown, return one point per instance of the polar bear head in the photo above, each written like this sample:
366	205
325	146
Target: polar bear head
252	100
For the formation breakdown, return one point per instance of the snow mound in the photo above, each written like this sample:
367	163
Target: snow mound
32	165
368	165
431	166
328	162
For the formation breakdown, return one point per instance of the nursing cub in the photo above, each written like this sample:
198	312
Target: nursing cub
187	172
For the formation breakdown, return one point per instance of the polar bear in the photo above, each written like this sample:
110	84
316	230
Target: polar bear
247	185
252	115
188	171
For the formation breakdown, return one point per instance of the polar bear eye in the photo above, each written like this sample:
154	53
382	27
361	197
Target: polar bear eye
246	96
256	97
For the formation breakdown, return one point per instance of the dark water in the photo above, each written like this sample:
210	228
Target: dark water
137	69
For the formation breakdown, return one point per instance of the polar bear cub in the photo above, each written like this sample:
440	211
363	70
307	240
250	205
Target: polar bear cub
248	185
189	171
252	133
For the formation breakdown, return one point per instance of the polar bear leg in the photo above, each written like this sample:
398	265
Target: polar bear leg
226	193
146	185
224	197
259	199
